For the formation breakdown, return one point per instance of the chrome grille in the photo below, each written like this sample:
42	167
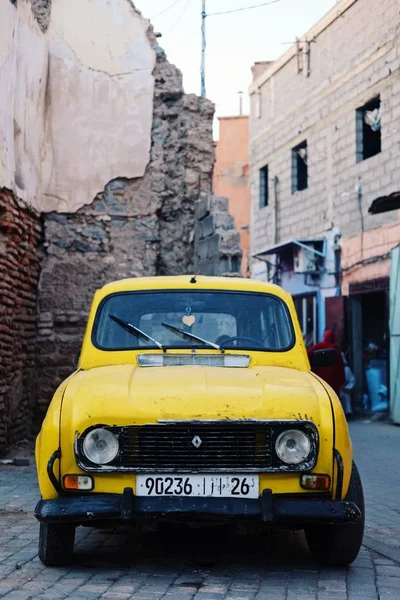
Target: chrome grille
224	446
227	446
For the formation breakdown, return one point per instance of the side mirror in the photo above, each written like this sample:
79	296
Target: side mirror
324	358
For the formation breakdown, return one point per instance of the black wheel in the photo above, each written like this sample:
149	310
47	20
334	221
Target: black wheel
338	545
56	543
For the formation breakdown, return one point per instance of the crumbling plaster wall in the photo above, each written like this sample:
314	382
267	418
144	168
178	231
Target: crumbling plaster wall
111	152
133	227
76	105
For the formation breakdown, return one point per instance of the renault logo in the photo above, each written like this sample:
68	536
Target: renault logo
196	441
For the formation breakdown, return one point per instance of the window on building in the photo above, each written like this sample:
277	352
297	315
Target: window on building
368	129
258	104
299	168
264	186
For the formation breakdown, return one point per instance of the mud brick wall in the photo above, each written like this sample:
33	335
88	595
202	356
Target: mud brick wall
20	231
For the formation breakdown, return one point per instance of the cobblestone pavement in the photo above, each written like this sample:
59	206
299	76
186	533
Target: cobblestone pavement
208	564
376	448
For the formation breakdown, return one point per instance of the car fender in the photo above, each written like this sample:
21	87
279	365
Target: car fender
342	445
343	449
48	443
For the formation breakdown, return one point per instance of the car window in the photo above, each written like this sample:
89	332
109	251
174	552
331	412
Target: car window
216	325
231	319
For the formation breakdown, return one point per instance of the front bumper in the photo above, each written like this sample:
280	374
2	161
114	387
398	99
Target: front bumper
124	507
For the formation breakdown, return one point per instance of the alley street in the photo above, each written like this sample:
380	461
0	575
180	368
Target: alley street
208	564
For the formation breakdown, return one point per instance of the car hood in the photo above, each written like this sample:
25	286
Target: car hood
127	395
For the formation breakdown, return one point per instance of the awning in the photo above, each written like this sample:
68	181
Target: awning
285	246
385	203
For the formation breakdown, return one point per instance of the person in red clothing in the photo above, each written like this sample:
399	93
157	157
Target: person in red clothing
335	374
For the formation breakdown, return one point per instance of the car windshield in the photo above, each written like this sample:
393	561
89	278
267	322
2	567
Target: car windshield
231	320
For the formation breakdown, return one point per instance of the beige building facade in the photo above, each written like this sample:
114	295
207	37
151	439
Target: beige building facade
324	144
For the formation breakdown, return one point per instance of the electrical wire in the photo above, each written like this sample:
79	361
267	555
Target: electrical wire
165	9
226	12
180	17
367	261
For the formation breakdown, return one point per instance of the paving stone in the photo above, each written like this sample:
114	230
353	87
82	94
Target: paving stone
388	570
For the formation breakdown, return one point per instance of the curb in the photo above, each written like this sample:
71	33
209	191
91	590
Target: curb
381	548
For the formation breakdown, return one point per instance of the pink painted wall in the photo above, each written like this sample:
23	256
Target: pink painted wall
231	177
371	246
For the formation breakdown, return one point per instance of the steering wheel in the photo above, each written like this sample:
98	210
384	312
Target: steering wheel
245	338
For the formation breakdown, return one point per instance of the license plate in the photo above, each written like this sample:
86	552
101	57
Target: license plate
211	486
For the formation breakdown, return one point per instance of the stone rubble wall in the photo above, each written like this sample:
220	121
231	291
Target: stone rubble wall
42	10
20	231
217	241
135	227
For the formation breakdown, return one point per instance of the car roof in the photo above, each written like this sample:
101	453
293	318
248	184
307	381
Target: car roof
198	282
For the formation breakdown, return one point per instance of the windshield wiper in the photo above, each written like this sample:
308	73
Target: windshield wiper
135	331
186	335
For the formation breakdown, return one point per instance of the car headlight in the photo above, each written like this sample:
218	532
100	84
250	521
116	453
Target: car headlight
293	446
100	446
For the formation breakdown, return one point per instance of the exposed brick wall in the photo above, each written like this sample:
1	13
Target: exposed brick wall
352	60
20	231
134	227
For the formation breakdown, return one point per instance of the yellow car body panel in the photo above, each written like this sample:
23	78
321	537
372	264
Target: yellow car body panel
109	388
342	438
130	395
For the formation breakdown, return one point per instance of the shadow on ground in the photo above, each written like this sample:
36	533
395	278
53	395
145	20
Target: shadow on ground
176	546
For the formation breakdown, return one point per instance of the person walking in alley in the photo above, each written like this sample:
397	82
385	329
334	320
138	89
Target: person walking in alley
345	394
335	374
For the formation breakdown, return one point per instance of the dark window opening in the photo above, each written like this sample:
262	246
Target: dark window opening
264	187
338	256
235	265
299	168
368	129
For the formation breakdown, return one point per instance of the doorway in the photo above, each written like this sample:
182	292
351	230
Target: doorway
306	308
369	307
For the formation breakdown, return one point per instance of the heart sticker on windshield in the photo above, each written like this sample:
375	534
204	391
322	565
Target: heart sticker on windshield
188	320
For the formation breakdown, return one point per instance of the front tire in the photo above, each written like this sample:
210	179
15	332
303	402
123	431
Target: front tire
339	545
56	543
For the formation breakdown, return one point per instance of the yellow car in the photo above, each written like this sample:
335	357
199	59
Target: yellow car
193	399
